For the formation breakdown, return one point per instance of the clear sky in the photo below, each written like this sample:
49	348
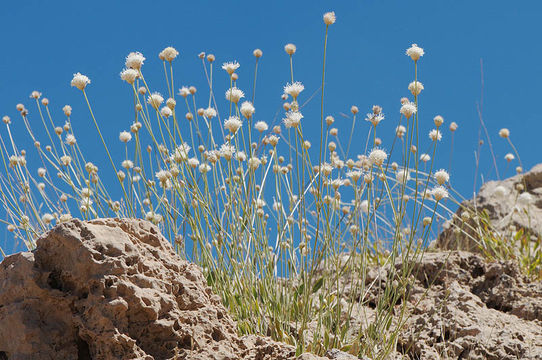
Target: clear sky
43	43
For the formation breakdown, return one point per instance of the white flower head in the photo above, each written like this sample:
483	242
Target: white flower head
70	139
374	119
441	176
415	52
155	100
500	191
184	91
166	112
525	199
209	113
408	109
127	164
227	151
435	135
400	131
292	119
402	176
247	109
509	157
181	153
66	160
125	136
233	123
290	49
415	87
80	81
129	75
193	162
294	89
230	66
439	193
330	18
504	133
425	157
378	156
364	206
261	126
168	54
234	95
204	168
134	60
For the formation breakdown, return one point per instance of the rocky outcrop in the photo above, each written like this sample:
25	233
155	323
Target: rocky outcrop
464	307
115	289
506	206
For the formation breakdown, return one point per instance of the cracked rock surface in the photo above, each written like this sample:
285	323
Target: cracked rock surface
115	289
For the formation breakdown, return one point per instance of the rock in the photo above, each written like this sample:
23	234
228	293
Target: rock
462	306
115	289
503	211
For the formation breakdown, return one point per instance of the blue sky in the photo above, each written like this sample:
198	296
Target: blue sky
44	43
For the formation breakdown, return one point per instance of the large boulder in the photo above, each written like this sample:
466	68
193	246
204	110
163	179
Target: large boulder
506	206
115	289
462	306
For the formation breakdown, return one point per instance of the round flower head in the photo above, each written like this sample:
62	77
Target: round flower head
364	206
257	53
127	164
129	75
292	119
402	176
209	113
230	67
233	123
294	89
166	112
134	60
35	94
169	54
415	52
509	157
400	131
439	193
442	176
184	91
329	18
66	160
525	199
125	136
378	156
80	81
435	135
290	49
261	126
247	109
415	88
425	157
504	133
408	109
234	95
374	119
453	126
227	151
500	191
438	120
70	139
155	100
